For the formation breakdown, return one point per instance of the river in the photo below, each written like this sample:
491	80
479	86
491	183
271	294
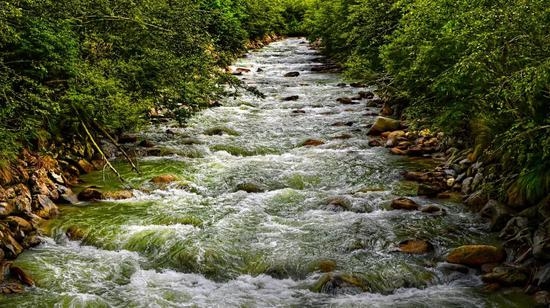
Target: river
205	242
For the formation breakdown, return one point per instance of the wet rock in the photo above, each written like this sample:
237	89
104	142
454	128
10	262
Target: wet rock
298	111
31	240
387	110
164	179
190	141
404	204
292	74
66	195
118	195
357	85
75	233
342	85
488	267
146	144
366	94
475	255
20	198
56	177
312	142
432	209
506	276
339	284
90	194
338	204
345	100
451	267
541	241
21	275
415	246
259	70
44	207
325	266
497	213
416	176
398	151
291	98
383	124
85	166
221	131
250	187
127	138
242	70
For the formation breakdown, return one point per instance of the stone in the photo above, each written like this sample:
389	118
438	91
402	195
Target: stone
467	185
506	276
393	138
57	177
298	111
6	209
250	187
31	240
9	245
386	110
339	284
21	275
127	138
432	209
541	241
338	203
366	94
476	255
11	288
404	204
118	195
18	223
164	179
450	267
398	151
312	142
375	143
345	100
415	246
291	98
428	190
416	176
147	144
383	124
476	201
85	166
326	266
74	233
497	213
219	131
90	194
66	195
292	74
45	207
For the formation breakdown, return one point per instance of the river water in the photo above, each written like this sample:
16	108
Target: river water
203	242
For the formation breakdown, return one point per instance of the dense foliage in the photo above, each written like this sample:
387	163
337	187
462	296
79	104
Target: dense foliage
479	70
109	62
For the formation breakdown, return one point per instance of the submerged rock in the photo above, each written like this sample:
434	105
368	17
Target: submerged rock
291	98
404	204
292	74
118	195
250	187
312	142
415	246
476	255
338	204
506	276
339	284
90	194
164	179
74	233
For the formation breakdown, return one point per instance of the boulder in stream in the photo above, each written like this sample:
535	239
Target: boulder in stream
404	204
476	255
312	142
292	74
250	187
383	124
336	284
164	179
415	246
90	194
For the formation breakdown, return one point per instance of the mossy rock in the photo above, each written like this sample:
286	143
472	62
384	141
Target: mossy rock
221	131
339	284
476	255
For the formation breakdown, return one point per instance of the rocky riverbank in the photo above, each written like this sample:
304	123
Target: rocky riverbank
31	188
522	260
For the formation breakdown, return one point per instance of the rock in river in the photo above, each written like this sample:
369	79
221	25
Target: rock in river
404	204
476	255
383	124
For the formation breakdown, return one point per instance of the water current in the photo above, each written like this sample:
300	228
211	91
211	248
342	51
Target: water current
204	241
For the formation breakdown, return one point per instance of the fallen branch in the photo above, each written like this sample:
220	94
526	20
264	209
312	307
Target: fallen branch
98	148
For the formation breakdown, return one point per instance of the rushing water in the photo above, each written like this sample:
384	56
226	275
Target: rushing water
203	242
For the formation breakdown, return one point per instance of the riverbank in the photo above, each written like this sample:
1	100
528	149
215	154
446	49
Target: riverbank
524	229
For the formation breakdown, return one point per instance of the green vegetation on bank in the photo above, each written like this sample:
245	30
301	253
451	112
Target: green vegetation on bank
478	70
107	63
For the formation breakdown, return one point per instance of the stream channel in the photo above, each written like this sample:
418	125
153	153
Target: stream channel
203	242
